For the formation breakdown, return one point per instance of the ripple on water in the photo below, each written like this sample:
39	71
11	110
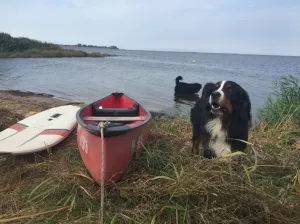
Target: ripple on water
147	76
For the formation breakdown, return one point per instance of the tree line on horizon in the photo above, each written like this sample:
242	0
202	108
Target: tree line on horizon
95	46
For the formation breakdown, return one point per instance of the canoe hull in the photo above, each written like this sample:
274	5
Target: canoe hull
118	152
119	149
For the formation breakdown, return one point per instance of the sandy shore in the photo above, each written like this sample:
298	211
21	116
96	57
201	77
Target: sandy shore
16	105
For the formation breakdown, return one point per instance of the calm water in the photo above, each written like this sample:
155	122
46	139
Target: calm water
147	76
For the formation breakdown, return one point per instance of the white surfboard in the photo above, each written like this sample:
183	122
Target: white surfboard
39	131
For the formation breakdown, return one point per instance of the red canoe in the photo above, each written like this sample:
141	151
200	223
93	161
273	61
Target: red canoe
128	127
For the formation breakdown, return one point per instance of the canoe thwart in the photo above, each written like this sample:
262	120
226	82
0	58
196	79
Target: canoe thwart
93	118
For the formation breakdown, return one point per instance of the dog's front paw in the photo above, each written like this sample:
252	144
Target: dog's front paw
195	151
209	154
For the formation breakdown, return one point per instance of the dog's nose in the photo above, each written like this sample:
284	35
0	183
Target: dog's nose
215	95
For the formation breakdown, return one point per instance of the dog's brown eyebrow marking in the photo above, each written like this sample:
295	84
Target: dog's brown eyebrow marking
228	86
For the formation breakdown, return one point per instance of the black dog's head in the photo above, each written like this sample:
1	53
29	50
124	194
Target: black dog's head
229	98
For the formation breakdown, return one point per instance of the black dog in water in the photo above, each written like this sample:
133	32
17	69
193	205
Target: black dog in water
186	88
220	119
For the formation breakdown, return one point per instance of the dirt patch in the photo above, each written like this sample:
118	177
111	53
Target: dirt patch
22	103
7	118
20	93
16	105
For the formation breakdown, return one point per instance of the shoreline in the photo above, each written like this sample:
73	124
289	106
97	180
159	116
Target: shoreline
22	47
13	107
55	52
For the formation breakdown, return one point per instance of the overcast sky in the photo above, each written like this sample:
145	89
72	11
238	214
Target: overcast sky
231	26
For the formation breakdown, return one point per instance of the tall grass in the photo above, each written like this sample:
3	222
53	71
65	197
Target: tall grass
19	44
285	103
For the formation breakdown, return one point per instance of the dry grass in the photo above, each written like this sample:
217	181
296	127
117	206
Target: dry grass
165	185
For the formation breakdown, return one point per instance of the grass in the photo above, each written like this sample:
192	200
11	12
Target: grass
50	52
166	184
286	102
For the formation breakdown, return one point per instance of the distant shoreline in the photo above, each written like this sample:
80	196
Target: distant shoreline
51	53
204	52
23	47
93	46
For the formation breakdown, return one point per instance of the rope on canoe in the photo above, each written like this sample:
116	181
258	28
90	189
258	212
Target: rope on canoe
102	126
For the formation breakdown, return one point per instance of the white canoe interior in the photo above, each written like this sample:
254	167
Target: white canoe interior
39	131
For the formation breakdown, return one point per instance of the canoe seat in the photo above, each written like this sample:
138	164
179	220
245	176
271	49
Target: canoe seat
115	112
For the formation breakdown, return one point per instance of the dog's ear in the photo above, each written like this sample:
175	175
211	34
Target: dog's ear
195	114
198	111
245	111
208	89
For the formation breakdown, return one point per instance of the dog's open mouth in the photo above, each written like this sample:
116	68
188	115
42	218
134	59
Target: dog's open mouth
215	106
217	109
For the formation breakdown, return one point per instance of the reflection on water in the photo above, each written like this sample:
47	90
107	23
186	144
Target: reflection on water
188	100
185	99
183	103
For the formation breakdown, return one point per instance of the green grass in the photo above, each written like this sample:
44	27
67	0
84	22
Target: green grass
167	184
21	47
20	44
53	52
284	103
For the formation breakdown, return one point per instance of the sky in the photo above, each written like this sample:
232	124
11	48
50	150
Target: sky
219	26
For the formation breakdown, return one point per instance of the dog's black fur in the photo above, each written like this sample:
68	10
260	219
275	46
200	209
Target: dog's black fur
234	113
186	88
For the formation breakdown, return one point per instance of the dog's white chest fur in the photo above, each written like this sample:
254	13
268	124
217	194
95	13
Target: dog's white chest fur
217	142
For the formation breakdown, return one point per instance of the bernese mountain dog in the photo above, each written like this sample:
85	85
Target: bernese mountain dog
220	119
186	88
